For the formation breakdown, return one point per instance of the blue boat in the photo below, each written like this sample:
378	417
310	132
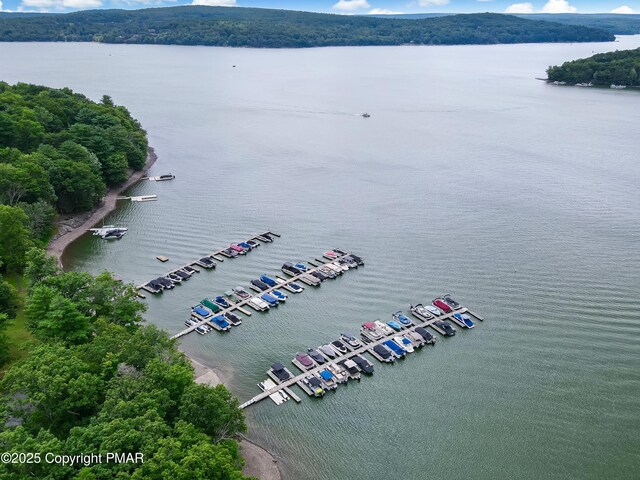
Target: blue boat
220	321
328	378
395	348
295	287
395	325
220	300
268	280
200	310
301	266
270	299
245	245
279	295
465	319
402	318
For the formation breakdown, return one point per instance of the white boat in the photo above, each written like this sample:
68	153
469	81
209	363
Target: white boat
259	304
383	327
407	345
335	268
144	198
338	372
109	232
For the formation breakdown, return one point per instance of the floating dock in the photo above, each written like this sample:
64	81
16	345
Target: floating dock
208	261
365	348
281	283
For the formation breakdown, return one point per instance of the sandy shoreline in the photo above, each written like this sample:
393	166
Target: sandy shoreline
60	242
259	463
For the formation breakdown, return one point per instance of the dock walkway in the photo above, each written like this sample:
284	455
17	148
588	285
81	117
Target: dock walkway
283	283
364	349
216	255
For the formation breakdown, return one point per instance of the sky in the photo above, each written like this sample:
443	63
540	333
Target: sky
349	6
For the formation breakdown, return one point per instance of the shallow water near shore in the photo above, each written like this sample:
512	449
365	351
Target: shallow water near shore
471	177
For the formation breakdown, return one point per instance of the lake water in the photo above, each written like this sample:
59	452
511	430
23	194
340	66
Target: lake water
471	177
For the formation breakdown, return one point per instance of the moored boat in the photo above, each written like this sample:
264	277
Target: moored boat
404	342
363	364
351	340
402	319
420	311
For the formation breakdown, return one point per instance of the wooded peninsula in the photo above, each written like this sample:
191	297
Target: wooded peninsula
620	68
268	28
81	372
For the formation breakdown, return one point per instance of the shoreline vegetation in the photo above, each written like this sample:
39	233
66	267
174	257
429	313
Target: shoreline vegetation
270	28
259	462
71	227
84	371
619	69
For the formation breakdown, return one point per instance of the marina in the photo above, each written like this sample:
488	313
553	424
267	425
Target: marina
267	294
343	360
177	275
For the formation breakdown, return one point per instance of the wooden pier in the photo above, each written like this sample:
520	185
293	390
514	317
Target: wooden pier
367	348
216	255
282	283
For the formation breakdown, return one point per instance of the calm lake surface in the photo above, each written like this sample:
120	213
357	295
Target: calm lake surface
471	177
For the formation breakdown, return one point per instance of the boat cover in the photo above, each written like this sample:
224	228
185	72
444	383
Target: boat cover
326	374
202	311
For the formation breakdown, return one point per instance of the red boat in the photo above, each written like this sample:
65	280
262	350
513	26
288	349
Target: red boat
237	248
441	305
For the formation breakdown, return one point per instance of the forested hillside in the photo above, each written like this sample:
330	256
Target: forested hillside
604	69
616	24
95	380
257	27
59	151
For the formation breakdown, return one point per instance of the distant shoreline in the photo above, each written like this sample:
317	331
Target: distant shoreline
76	225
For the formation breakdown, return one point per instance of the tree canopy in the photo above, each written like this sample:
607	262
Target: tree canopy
267	28
621	67
101	381
59	151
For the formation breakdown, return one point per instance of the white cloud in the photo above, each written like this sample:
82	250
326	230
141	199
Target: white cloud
432	3
625	10
82	3
215	3
520	8
60	4
383	11
350	5
558	6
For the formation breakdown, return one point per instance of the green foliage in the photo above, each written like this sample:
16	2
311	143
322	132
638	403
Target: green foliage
55	317
61	148
257	27
604	69
76	186
53	389
213	410
4	341
114	168
9	299
15	237
41	215
611	22
39	266
100	382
